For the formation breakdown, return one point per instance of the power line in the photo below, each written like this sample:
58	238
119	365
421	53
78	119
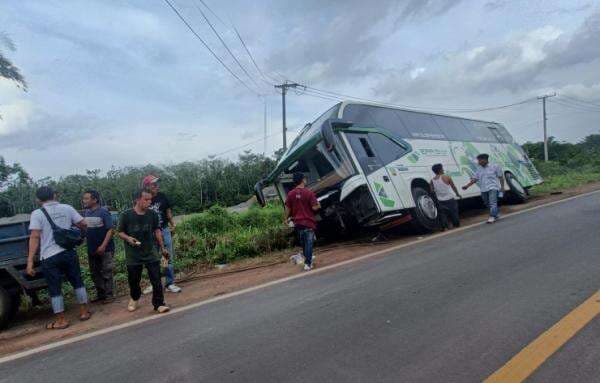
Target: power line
225	45
207	46
227	151
574	106
580	100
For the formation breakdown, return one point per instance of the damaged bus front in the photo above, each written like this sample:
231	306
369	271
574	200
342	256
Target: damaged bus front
371	165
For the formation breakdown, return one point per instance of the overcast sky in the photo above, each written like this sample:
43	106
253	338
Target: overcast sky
116	83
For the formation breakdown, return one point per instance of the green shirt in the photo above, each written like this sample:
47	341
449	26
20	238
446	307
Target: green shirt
140	227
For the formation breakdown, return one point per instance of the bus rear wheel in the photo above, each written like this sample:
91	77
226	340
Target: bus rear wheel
425	212
517	193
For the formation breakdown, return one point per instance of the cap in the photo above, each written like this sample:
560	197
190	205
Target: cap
149	179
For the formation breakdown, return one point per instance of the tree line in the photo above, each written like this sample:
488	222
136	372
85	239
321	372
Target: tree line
191	186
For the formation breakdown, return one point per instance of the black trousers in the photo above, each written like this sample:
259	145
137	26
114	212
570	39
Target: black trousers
101	270
134	277
449	209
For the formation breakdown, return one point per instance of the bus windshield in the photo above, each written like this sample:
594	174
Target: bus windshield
323	168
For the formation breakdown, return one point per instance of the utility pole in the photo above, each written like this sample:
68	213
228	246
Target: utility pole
265	126
545	119
284	87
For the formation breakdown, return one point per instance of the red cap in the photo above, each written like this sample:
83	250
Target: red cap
149	179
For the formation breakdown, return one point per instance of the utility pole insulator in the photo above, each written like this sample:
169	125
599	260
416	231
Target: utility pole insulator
284	87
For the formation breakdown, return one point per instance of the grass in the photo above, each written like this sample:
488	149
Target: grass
558	177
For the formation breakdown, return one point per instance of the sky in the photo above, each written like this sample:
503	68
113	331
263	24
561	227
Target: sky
115	83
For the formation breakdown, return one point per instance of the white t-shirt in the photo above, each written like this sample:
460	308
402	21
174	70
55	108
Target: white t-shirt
64	216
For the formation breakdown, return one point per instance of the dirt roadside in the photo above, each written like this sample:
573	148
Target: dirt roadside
29	328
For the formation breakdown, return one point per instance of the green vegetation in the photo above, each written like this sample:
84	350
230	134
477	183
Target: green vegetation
191	186
570	165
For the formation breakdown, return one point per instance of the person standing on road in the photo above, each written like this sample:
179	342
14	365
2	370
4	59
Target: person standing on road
51	223
162	206
140	230
100	245
300	206
490	180
445	191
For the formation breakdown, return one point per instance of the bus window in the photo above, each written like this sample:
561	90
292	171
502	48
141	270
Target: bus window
421	125
479	131
497	134
505	134
389	120
453	128
387	150
359	115
365	155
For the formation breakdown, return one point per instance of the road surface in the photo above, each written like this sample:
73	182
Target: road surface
453	309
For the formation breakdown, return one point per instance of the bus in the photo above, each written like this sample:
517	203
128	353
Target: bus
370	165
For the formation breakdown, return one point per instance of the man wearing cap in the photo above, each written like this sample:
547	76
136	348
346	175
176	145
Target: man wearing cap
162	206
490	180
300	205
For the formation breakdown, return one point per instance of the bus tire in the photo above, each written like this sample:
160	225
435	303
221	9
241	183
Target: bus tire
517	193
425	213
6	307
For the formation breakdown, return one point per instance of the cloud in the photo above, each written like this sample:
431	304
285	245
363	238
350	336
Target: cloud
336	40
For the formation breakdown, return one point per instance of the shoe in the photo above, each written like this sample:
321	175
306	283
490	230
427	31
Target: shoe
491	220
174	289
308	267
147	290
132	306
162	309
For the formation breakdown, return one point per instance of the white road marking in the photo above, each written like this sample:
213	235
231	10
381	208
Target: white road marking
323	269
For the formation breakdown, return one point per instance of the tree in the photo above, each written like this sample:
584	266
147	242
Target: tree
7	69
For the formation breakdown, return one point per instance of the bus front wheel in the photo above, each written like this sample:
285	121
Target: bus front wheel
425	212
517	194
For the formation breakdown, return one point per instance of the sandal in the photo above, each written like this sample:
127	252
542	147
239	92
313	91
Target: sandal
54	326
86	316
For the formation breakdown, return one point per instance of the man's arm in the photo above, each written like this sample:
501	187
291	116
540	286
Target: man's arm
161	243
34	244
314	202
473	181
287	214
107	220
450	182
78	220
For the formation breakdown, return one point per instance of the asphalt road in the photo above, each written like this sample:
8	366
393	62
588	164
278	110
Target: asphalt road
453	309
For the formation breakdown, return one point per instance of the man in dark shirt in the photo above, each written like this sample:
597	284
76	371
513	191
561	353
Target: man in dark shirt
162	206
100	245
300	205
140	230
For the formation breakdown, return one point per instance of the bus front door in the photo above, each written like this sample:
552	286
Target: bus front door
377	174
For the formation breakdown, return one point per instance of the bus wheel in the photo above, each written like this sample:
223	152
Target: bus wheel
425	213
518	194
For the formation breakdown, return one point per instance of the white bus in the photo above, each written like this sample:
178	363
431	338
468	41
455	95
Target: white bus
370	165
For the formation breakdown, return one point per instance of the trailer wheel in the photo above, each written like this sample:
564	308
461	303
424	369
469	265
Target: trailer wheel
518	194
6	307
425	213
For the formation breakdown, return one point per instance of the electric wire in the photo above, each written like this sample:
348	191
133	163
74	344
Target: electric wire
187	24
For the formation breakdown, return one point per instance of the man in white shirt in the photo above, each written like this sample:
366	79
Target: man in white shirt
56	261
490	180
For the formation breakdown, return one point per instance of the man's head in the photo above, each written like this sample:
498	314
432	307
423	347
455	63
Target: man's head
91	198
142	198
483	159
437	169
299	179
151	183
45	194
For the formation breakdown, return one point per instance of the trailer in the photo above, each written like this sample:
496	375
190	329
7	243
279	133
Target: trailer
14	282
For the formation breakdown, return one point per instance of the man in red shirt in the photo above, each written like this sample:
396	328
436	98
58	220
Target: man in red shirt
300	205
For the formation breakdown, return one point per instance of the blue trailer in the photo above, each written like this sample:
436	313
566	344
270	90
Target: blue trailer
14	282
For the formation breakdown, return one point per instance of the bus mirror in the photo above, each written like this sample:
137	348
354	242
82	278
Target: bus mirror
328	128
258	192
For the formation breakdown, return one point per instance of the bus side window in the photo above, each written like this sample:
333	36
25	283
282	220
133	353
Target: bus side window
365	154
367	147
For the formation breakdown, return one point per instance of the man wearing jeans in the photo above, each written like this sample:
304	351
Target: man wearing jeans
56	261
300	205
162	206
490	180
100	245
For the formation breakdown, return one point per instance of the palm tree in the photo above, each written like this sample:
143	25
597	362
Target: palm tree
7	69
